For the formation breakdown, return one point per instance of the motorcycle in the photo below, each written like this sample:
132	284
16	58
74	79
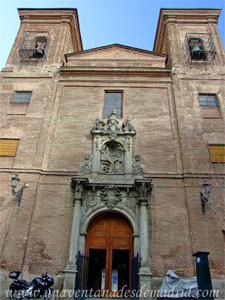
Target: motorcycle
37	288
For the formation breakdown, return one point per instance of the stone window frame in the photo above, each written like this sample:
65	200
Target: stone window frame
122	101
8	149
22	97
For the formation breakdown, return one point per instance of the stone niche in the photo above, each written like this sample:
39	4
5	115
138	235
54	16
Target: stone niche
112	157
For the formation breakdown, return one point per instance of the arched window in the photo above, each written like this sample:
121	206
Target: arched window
196	48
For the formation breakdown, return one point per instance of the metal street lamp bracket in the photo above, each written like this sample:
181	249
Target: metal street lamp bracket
14	182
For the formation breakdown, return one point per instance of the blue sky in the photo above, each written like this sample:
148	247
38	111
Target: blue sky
104	22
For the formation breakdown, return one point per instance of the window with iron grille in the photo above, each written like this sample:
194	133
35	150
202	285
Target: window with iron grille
113	100
208	100
21	97
8	147
217	153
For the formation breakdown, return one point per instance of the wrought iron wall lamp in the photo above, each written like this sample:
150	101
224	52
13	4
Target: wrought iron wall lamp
204	195
14	182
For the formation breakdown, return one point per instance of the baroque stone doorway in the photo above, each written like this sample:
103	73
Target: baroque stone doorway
110	183
109	247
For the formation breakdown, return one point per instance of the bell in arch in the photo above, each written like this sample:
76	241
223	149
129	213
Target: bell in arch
40	46
196	49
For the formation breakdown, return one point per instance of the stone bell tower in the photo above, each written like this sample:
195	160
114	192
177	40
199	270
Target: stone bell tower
190	37
44	37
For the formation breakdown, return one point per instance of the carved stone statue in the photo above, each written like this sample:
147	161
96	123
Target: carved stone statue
137	167
105	160
99	124
112	125
112	157
118	164
86	166
127	126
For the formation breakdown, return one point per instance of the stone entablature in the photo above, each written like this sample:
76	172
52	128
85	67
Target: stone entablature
93	195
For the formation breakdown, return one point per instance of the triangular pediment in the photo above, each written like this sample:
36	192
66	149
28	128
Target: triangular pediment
117	52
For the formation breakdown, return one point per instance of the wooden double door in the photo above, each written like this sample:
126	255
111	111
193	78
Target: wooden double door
110	250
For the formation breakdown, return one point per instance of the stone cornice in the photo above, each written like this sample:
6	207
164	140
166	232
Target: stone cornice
75	174
115	71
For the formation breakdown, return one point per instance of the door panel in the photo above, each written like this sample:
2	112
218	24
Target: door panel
121	242
111	232
97	241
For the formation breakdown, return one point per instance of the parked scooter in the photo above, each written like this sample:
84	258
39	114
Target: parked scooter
37	288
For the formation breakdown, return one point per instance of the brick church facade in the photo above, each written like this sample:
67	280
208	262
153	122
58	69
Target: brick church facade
116	144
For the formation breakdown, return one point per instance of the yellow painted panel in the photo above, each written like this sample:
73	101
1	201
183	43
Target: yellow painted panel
217	153
8	147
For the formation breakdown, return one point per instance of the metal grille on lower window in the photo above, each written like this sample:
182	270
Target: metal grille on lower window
21	97
8	147
113	100
208	100
217	153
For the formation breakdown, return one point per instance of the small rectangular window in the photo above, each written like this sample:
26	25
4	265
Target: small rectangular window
208	100
21	97
113	100
217	153
8	147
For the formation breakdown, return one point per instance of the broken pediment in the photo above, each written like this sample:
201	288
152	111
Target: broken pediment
116	56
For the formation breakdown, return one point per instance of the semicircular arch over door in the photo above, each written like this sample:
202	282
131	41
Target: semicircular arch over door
110	249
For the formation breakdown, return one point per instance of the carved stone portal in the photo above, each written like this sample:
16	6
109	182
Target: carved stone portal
111	180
